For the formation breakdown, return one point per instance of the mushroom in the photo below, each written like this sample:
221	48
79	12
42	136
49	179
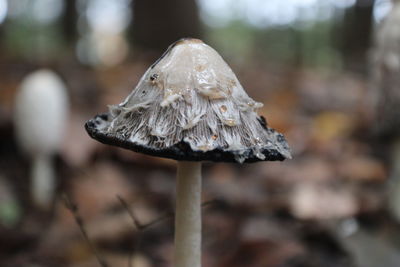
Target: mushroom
386	95
189	106
41	109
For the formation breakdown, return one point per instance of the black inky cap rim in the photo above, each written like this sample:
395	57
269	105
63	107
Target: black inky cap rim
180	151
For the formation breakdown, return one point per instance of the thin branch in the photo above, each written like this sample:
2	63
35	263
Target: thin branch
79	221
168	215
135	220
142	227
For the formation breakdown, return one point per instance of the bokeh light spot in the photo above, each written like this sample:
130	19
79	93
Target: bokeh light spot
3	10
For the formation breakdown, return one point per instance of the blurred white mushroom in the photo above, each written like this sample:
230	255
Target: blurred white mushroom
41	110
386	69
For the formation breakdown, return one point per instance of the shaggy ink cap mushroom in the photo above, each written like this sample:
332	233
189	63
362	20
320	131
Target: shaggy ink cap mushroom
189	105
41	111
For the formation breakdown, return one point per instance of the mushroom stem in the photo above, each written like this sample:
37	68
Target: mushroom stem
42	181
188	215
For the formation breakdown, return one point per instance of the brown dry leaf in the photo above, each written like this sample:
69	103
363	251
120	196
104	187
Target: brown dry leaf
277	117
63	224
307	168
115	260
279	110
224	183
258	81
219	227
122	260
165	251
299	136
7	102
322	201
108	228
95	191
332	125
77	251
221	173
77	147
263	254
264	228
286	99
362	168
320	92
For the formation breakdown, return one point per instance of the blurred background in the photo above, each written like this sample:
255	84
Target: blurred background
328	73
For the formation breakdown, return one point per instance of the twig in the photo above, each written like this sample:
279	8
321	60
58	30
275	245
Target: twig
169	215
142	227
135	220
79	221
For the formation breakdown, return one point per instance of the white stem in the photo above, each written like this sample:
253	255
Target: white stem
43	181
188	215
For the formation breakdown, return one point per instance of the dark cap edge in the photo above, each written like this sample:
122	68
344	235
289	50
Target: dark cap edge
180	151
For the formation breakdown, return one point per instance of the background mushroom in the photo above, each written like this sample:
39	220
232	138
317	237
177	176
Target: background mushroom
41	109
386	83
189	106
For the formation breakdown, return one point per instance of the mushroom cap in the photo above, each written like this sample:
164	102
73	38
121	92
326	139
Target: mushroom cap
41	111
190	106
